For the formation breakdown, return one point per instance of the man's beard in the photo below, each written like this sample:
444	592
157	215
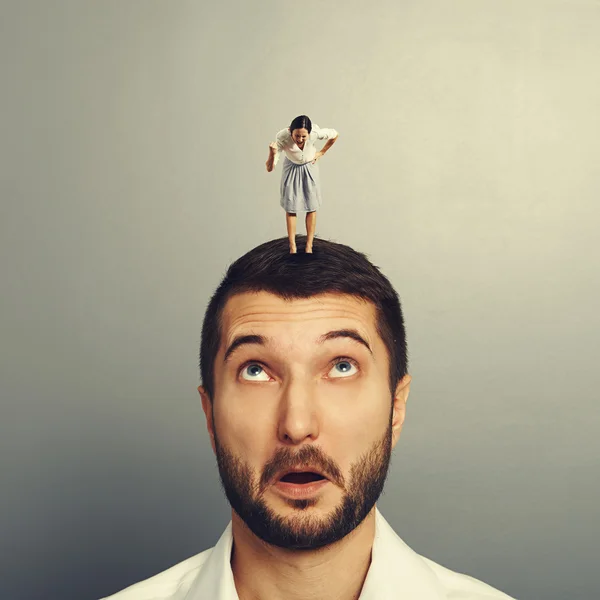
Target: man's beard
301	531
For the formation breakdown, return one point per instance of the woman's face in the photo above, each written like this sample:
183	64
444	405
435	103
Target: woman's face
300	136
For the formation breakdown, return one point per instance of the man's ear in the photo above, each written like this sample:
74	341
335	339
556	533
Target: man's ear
399	407
208	412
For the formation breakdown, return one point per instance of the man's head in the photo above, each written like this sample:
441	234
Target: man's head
304	368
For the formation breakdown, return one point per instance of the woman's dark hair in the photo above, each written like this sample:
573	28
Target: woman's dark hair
332	268
301	122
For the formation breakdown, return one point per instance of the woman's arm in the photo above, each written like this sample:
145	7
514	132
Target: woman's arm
329	143
271	160
326	147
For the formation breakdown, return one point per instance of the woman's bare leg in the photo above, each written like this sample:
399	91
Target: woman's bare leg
311	223
290	221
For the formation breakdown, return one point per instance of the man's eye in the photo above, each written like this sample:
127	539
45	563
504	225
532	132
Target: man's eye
254	372
343	368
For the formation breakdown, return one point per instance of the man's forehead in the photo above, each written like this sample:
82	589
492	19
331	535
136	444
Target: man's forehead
255	309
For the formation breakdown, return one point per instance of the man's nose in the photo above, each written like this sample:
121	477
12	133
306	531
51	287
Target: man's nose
298	412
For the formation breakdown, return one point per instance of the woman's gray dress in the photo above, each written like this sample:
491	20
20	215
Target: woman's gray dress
300	187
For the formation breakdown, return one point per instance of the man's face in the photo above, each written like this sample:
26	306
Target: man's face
302	385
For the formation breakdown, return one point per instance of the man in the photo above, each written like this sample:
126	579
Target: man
304	370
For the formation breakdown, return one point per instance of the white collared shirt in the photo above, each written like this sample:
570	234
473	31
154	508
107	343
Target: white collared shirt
396	573
297	155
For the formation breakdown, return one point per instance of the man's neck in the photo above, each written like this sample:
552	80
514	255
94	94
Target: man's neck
336	572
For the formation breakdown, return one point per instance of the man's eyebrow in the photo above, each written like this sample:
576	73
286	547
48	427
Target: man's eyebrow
240	340
345	333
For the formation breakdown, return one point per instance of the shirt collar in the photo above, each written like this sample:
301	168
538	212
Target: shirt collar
396	571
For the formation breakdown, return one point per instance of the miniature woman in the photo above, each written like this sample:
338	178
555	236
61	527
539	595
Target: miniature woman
300	182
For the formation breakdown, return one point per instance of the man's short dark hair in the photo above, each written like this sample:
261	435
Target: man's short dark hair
332	268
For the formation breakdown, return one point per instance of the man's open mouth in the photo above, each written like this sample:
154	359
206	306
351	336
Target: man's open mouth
301	478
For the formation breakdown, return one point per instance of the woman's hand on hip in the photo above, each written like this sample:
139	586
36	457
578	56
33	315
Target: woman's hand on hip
317	156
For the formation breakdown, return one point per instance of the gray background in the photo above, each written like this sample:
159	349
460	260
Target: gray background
133	141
